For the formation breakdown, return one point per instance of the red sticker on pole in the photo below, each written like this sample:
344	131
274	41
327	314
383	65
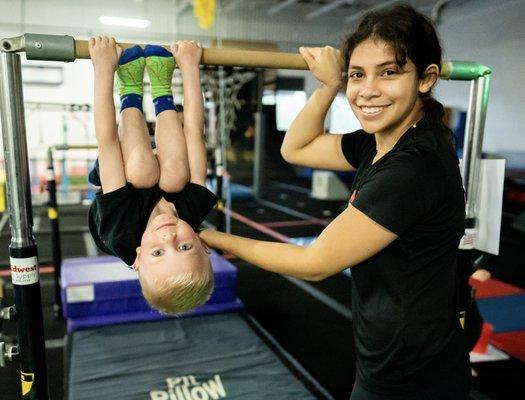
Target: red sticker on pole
24	271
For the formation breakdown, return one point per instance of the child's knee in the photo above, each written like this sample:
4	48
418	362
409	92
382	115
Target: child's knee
142	171
174	176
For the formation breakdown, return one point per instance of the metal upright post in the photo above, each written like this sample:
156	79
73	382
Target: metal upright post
22	250
52	214
474	147
260	140
220	154
479	75
469	168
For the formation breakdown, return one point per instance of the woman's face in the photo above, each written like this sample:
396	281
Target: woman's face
382	95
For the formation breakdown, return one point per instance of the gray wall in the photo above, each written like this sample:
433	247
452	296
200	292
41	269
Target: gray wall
491	32
241	20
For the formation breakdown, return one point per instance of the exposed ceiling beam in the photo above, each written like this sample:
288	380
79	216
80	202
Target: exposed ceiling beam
183	5
235	5
280	6
328	7
436	10
358	15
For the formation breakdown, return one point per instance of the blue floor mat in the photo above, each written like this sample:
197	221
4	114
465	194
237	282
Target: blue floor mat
505	313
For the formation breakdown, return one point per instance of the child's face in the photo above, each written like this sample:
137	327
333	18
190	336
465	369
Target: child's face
383	96
169	245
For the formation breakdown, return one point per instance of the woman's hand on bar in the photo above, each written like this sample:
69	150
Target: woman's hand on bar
325	63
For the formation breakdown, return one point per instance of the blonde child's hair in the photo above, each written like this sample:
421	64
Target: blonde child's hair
179	293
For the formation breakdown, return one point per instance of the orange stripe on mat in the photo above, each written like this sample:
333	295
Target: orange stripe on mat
257	226
42	270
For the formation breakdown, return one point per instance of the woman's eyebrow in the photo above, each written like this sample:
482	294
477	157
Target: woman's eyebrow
383	64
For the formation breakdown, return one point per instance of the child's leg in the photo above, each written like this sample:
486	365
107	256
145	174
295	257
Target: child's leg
141	166
171	145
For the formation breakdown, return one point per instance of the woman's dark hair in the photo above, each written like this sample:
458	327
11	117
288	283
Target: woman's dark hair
411	35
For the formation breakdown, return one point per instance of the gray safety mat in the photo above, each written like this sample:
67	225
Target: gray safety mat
200	358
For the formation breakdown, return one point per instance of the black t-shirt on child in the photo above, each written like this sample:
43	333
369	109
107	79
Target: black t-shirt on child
404	299
118	219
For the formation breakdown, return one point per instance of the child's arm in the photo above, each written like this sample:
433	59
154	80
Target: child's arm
104	55
349	239
188	55
305	142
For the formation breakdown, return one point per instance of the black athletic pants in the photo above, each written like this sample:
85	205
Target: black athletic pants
437	393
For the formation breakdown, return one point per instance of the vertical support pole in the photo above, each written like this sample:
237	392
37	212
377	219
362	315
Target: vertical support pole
23	249
260	140
220	153
474	129
467	242
52	214
64	187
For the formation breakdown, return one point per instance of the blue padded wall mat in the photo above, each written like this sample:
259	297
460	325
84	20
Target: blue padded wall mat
94	321
98	286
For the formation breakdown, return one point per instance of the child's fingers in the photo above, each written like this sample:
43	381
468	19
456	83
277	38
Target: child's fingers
119	50
91	44
98	40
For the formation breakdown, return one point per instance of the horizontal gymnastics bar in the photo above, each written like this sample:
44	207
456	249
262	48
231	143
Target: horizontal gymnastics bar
74	147
66	48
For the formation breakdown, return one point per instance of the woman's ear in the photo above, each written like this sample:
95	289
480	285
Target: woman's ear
429	79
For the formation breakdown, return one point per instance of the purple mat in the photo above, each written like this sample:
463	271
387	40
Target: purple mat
97	286
81	323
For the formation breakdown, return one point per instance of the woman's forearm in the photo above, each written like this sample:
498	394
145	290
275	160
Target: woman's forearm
282	258
309	123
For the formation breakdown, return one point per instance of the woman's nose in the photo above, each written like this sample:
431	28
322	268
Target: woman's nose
369	89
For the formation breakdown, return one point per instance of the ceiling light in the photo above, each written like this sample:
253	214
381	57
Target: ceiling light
129	22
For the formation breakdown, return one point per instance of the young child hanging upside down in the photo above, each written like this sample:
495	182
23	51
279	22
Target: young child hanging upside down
151	202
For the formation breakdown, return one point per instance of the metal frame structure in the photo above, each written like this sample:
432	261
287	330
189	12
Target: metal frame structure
53	215
23	249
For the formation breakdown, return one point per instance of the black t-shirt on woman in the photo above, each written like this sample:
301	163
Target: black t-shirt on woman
404	300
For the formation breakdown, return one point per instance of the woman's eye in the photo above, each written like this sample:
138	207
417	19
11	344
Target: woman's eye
389	72
355	75
157	253
185	247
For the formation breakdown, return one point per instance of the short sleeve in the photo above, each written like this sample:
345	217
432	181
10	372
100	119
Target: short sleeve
193	204
109	202
116	220
400	191
355	146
